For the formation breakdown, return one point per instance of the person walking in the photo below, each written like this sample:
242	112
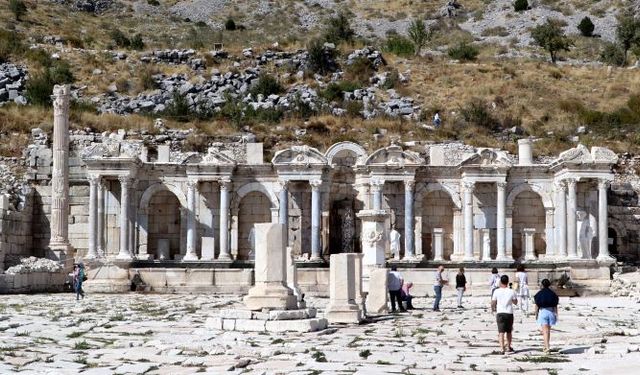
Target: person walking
494	280
439	282
502	302
436	120
546	312
461	286
78	278
405	294
395	288
523	289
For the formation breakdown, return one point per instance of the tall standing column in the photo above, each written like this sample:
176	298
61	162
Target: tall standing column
125	184
603	226
94	185
561	229
409	252
192	186
225	185
468	188
315	218
283	212
377	185
501	222
101	220
572	225
59	240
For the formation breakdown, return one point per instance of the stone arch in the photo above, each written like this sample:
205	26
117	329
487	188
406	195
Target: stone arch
245	189
160	186
527	210
361	154
621	236
425	188
547	202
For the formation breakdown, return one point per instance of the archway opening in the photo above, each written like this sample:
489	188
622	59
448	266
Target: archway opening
255	207
343	226
437	212
612	240
528	212
165	225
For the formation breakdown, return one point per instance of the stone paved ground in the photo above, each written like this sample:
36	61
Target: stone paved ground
106	334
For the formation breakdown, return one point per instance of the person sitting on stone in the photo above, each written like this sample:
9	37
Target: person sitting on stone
395	286
405	294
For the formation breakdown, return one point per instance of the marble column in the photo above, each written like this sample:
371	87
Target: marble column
528	243
377	185
437	244
549	218
192	186
125	184
603	226
59	225
561	229
283	212
409	252
315	218
501	222
101	222
467	188
94	185
572	225
225	185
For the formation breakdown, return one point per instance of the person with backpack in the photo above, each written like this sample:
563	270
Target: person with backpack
79	277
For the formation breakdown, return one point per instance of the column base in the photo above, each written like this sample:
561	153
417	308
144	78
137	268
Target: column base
91	256
225	258
190	257
344	314
469	259
605	259
124	256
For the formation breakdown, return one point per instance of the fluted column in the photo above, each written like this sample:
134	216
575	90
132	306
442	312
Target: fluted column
467	188
377	185
561	208
101	219
315	218
409	252
192	186
94	185
125	184
225	185
603	226
59	225
501	222
572	225
283	212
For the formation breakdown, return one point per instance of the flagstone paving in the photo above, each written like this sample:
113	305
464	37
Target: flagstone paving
166	334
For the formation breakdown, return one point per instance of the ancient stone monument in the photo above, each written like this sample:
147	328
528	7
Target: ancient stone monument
342	290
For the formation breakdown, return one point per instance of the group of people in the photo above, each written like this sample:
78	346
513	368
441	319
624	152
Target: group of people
504	296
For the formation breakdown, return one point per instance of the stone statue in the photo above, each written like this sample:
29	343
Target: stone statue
394	243
347	231
252	243
585	235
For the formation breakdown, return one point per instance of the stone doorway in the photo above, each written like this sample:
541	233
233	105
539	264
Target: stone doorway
528	212
613	243
342	227
165	223
255	207
437	212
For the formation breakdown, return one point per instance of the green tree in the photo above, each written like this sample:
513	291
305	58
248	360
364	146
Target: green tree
230	25
520	5
419	35
339	29
628	32
551	37
18	8
586	27
137	43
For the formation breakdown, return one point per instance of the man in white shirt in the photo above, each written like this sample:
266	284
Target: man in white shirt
395	287
502	303
438	283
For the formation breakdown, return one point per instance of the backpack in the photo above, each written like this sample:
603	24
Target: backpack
82	275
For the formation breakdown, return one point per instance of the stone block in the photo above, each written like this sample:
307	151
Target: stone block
208	248
4	202
229	324
236	314
342	291
378	292
250	325
292	314
213	323
302	325
163	153
255	153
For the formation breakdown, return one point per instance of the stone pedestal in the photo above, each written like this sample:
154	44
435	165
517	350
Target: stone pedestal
208	248
437	244
164	249
292	277
342	290
378	295
374	234
528	243
270	291
485	237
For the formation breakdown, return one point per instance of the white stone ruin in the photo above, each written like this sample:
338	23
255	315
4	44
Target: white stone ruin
343	307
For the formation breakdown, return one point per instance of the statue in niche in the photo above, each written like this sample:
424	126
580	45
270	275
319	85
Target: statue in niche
585	234
394	243
252	243
348	230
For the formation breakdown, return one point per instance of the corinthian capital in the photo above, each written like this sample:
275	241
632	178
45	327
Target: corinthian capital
94	178
571	183
61	98
315	184
501	185
409	185
125	181
560	185
468	186
225	183
603	184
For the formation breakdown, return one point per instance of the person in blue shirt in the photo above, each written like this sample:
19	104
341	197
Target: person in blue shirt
546	311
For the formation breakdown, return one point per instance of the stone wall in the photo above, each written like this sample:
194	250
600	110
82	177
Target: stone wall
254	208
437	212
15	233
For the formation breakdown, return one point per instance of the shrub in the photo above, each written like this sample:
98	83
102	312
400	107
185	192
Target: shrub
40	86
137	43
551	37
230	25
18	8
419	34
354	108
392	81
339	29
267	85
400	46
360	70
321	60
476	112
119	38
178	109
335	90
586	27
155	3
147	82
463	51
10	45
628	32
612	54
520	5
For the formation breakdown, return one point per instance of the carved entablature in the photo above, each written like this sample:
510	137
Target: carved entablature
489	158
449	154
214	156
299	156
577	155
112	150
394	157
603	155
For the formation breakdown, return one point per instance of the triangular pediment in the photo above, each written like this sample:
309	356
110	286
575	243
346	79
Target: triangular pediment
577	155
394	157
488	158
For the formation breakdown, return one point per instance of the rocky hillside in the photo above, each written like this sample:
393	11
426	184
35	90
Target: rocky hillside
320	71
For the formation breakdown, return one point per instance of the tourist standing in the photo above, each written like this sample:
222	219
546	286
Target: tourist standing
439	282
436	120
461	286
405	294
395	287
523	289
546	311
78	278
502	302
494	280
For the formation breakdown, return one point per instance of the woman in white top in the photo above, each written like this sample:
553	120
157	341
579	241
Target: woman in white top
494	280
523	289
